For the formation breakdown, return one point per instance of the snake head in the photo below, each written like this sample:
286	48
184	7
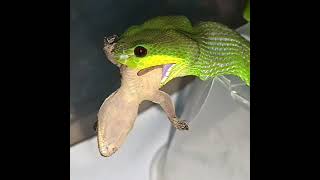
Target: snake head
154	48
161	41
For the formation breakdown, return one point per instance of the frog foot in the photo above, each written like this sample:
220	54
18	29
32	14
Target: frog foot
180	124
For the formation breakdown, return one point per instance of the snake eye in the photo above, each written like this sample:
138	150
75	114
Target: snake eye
140	51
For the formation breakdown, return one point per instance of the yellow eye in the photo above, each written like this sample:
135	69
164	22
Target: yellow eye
140	51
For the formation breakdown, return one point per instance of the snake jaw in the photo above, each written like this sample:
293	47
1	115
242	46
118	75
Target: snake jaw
166	70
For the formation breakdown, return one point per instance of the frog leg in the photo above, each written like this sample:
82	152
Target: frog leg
164	100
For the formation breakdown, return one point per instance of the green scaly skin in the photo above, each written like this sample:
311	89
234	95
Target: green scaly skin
206	50
246	12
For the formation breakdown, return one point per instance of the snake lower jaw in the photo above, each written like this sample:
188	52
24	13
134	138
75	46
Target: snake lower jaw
146	70
166	69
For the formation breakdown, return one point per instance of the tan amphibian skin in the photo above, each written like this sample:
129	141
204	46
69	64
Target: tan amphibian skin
117	114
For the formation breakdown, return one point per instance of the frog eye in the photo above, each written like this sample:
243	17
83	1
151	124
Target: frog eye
140	51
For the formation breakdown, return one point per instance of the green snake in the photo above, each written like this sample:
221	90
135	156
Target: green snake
205	50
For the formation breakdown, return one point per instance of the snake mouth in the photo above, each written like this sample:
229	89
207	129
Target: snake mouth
166	69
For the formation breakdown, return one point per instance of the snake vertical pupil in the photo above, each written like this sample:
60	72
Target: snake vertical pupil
140	51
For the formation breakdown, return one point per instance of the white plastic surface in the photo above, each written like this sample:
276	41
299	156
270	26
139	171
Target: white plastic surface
217	146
